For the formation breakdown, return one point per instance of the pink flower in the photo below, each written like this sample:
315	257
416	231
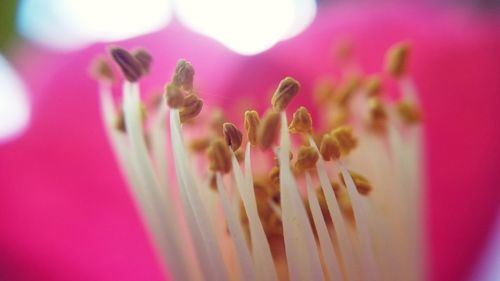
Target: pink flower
66	214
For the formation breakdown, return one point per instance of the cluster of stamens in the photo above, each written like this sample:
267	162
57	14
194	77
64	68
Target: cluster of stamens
272	209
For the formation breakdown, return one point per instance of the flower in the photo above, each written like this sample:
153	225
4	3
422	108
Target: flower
75	212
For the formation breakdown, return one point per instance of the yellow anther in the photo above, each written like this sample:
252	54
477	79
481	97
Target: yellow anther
174	96
373	86
345	91
306	158
191	107
101	70
301	121
362	184
268	129
287	89
251	124
408	112
219	156
232	135
199	145
378	114
397	59
345	138
329	148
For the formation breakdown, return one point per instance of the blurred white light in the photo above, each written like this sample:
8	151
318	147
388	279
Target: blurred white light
70	24
14	105
247	26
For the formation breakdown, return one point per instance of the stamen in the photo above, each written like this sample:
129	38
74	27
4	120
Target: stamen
129	65
101	70
397	59
345	138
373	86
378	114
268	129
219	156
174	96
184	75
362	184
329	148
306	158
251	124
144	58
191	108
408	112
232	135
287	89
199	145
301	122
345	91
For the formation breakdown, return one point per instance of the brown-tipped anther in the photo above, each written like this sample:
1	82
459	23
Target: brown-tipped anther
251	125
301	122
397	59
268	129
184	75
306	158
329	148
191	108
373	86
345	139
129	65
101	70
345	91
323	92
408	112
232	135
287	89
274	176
219	156
199	145
174	96
362	184
378	114
144	58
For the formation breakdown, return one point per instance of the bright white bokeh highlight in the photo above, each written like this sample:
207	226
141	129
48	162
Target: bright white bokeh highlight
246	26
72	24
14	105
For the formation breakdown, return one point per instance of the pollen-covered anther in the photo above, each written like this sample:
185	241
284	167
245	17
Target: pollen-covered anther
345	139
144	58
408	112
373	86
184	75
232	135
345	91
362	184
219	156
174	96
129	65
268	129
306	158
191	107
251	124
329	148
397	59
199	144
378	113
301	121
101	70
287	89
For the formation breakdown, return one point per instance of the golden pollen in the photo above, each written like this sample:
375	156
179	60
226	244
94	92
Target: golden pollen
174	96
362	184
101	70
306	158
232	135
251	125
373	86
268	129
345	139
219	156
199	145
329	148
345	91
378	113
397	59
301	121
408	112
287	89
191	108
184	75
